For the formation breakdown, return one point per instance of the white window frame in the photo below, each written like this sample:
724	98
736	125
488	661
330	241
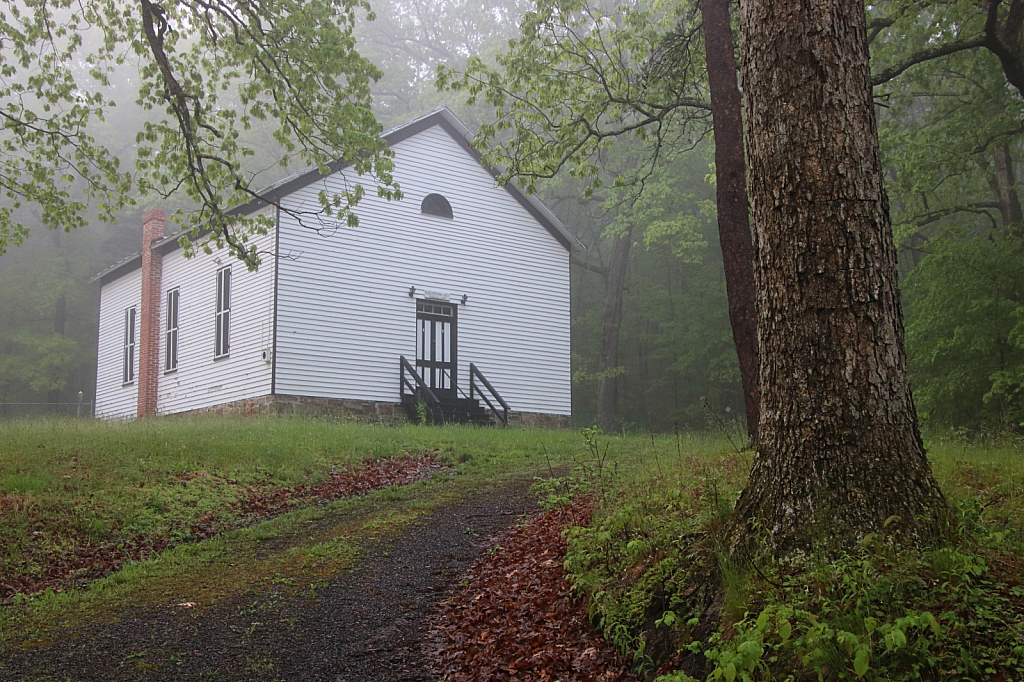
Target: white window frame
128	354
171	331
222	328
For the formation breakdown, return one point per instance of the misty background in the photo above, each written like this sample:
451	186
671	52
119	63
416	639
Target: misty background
950	133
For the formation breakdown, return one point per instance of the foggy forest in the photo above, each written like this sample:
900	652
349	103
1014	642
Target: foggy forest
651	325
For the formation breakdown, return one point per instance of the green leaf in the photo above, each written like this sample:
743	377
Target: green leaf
861	661
895	639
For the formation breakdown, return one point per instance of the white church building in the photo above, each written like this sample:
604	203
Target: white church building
453	301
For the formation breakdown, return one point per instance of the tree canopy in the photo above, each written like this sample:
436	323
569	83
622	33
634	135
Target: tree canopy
209	73
578	77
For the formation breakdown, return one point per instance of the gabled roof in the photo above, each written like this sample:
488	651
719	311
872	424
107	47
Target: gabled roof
442	116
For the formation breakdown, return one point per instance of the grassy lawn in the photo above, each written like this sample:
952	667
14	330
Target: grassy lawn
75	487
83	486
97	480
644	562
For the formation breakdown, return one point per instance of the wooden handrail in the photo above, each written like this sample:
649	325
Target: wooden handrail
475	373
420	383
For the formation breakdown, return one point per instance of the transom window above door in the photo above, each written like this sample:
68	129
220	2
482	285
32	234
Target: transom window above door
434	308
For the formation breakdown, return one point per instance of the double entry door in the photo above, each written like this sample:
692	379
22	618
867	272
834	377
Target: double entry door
436	346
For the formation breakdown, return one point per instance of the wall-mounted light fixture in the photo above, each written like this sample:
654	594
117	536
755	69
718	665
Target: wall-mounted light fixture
412	292
217	260
465	297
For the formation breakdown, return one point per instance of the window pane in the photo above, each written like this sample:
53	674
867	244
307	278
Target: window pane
227	289
223	311
171	337
128	353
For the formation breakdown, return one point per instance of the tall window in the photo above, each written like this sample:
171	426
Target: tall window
171	332
128	359
223	312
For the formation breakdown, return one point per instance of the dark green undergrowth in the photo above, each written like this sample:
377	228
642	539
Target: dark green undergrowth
661	590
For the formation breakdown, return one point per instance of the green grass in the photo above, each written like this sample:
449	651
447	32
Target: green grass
97	481
94	482
51	455
990	470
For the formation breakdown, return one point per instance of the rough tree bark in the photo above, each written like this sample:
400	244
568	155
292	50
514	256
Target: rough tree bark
733	212
611	322
839	450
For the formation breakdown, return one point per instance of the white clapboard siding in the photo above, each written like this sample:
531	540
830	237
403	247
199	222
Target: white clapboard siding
113	399
201	381
344	312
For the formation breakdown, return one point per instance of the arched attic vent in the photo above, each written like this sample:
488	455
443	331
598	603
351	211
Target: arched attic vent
435	204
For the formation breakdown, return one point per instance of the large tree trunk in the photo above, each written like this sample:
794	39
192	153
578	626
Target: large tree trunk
733	214
611	322
839	451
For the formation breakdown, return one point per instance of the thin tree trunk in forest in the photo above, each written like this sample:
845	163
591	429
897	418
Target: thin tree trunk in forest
60	312
1006	189
733	213
611	322
839	451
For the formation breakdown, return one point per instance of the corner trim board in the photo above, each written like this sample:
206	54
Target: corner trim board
277	274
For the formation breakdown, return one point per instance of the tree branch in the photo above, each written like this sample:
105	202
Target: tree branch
877	26
925	55
922	219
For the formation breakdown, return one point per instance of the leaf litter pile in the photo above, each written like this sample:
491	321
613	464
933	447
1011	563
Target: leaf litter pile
515	617
57	557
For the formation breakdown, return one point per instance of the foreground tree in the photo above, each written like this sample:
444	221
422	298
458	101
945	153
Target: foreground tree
214	71
839	448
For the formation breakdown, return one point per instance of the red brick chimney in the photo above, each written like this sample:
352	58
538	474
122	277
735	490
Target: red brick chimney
149	313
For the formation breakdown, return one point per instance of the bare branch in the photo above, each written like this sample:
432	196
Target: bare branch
922	219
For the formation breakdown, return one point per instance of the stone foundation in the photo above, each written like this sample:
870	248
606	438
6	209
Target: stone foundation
250	407
368	411
539	420
335	408
316	408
